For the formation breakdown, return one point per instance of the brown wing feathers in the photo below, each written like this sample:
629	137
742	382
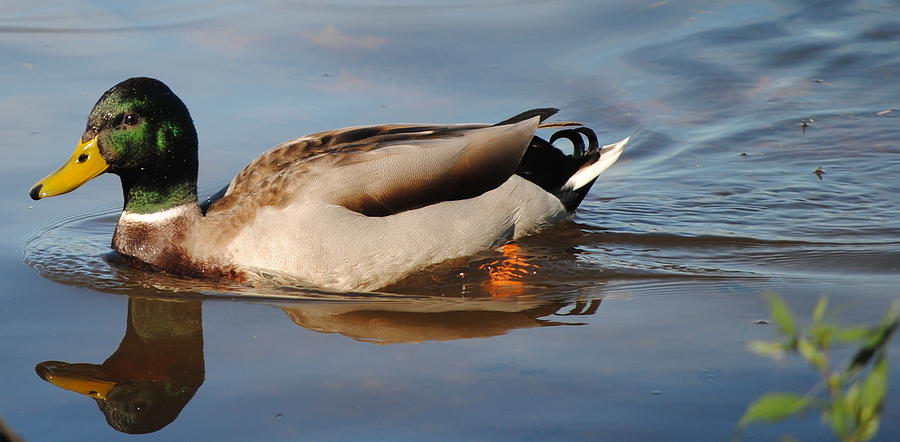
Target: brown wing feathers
435	170
381	170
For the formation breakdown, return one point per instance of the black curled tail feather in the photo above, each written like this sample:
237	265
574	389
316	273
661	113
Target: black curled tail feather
548	167
574	135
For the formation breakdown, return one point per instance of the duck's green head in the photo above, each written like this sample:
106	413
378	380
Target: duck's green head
141	131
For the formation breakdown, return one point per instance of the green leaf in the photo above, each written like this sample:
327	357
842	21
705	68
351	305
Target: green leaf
877	343
868	429
774	350
872	392
893	314
782	316
819	311
773	407
837	416
851	400
871	398
811	354
851	334
835	381
822	334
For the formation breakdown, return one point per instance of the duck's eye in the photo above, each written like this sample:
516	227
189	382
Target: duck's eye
131	119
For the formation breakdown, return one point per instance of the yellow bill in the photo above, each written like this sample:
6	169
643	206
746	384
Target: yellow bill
95	388
84	165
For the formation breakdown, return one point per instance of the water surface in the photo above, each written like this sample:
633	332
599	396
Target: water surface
629	322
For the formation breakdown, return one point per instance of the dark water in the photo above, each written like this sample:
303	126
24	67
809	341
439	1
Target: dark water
628	323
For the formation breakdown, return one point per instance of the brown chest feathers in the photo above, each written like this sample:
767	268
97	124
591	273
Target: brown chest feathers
165	245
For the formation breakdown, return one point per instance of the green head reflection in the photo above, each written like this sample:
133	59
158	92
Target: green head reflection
148	380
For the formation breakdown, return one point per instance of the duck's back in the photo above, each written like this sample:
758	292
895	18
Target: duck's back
381	170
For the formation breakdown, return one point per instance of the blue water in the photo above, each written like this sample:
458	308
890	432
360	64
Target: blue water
635	325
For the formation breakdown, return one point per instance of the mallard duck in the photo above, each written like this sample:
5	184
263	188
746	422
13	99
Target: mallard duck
349	209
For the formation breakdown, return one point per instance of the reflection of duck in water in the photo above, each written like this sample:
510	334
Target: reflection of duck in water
436	319
158	367
156	370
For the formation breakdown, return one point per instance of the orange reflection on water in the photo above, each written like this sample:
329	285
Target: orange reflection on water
508	273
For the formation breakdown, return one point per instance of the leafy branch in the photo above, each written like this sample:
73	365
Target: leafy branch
853	396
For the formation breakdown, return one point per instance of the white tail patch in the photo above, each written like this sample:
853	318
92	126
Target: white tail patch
608	155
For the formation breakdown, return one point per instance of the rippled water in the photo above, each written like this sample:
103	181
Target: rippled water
629	322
